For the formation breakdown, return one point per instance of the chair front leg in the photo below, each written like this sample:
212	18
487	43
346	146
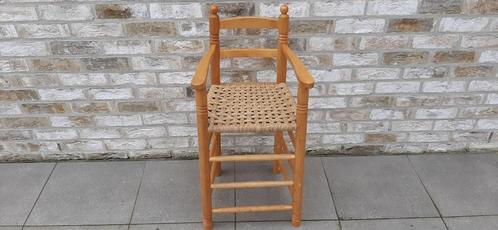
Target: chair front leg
204	165
300	151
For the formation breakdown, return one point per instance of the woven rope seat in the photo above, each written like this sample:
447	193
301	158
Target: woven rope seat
251	107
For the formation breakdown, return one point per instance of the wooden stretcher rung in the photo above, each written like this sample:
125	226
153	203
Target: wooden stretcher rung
252	157
252	184
263	208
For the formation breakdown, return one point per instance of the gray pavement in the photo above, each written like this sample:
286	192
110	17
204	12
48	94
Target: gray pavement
419	192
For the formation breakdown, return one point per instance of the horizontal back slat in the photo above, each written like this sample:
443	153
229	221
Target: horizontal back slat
228	53
251	22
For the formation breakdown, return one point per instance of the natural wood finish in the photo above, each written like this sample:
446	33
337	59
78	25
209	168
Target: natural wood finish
267	53
210	157
263	208
250	22
283	34
204	165
200	76
301	126
303	75
252	184
292	137
214	40
252	157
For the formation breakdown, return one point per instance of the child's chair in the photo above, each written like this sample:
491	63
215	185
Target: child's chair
251	107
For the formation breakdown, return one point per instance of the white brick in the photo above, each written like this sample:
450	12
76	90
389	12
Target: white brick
392	7
72	121
386	114
446	147
121	144
164	118
339	8
489	56
193	29
483	85
170	46
17	13
118	120
377	73
58	134
180	105
351	88
97	29
23	48
132	78
99	133
479	41
405	148
428	137
176	78
74	12
345	59
439	41
8	109
74	79
397	87
170	142
182	131
436	113
330	75
327	103
85	145
492	98
444	86
166	11
411	125
161	92
144	132
463	24
110	94
13	65
368	126
487	123
321	43
453	124
156	63
7	31
324	127
351	25
424	72
384	42
43	31
61	94
343	139
127	47
296	9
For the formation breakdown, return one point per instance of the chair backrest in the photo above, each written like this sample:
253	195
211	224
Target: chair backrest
249	22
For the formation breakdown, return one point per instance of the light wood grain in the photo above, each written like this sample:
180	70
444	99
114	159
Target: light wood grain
252	157
263	208
252	184
267	53
250	22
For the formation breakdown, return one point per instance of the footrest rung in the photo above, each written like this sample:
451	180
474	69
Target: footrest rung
252	157
264	208
252	184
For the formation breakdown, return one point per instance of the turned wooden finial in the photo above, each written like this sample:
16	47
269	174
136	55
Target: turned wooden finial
214	9
284	9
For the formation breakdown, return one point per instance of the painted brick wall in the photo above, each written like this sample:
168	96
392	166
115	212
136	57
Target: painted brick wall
86	79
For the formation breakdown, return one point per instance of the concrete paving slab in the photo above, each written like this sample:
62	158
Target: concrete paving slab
188	226
461	185
277	225
81	193
86	227
394	224
476	222
377	187
317	201
20	185
170	193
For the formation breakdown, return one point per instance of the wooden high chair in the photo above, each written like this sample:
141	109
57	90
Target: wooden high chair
251	107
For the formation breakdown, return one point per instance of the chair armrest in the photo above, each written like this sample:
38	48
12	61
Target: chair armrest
302	73
200	76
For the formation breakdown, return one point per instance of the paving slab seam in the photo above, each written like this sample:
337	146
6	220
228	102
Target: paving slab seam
331	194
138	192
39	194
428	194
